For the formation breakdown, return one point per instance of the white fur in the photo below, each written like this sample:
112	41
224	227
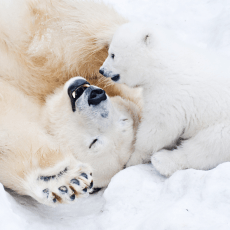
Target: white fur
186	96
42	45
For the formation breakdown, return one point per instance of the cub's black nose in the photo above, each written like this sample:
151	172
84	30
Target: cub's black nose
116	77
96	96
101	71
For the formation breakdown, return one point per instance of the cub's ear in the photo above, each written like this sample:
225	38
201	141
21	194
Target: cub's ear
147	39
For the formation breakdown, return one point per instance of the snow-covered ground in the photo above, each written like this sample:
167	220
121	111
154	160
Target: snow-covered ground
138	198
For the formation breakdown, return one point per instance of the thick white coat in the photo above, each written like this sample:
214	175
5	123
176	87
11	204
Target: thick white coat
186	98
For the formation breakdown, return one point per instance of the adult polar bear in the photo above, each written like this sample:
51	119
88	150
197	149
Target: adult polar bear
43	44
186	98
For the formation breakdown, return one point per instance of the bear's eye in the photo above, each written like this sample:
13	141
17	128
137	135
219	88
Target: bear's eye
112	56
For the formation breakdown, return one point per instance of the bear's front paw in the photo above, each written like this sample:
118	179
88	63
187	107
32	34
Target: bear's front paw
65	186
165	162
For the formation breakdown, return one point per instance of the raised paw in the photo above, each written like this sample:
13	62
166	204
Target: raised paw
52	186
165	162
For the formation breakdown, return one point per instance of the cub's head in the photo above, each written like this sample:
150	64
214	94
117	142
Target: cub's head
128	55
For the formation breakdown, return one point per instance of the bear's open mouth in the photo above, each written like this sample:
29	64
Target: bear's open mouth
79	91
76	90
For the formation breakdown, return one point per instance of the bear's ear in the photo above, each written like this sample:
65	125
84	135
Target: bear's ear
147	39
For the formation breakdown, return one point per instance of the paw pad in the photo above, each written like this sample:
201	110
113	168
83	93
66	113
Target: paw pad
75	181
63	189
84	175
72	197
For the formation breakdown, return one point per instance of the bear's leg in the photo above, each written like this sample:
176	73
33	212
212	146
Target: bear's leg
65	182
206	150
48	174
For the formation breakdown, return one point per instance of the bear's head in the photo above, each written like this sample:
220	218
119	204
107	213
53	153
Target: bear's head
97	129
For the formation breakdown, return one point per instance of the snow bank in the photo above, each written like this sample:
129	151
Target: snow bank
139	198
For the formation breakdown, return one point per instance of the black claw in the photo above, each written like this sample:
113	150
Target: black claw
84	190
75	181
95	190
91	185
63	189
72	197
84	175
54	200
53	176
91	174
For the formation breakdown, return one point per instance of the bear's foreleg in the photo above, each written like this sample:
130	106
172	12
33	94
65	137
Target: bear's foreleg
65	182
49	175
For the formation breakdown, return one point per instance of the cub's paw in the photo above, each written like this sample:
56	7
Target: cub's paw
165	162
64	183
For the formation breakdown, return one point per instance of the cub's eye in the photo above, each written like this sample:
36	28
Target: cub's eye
79	91
112	56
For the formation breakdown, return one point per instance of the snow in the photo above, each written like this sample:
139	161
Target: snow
7	214
138	197
204	23
189	199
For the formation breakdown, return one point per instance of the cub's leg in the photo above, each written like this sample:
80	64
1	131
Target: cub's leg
206	150
152	137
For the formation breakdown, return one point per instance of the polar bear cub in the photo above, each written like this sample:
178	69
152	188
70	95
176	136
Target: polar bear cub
186	98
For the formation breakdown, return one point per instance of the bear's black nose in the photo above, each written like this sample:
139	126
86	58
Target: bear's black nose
96	96
101	71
